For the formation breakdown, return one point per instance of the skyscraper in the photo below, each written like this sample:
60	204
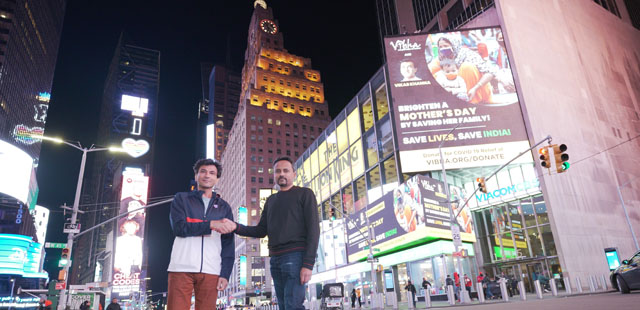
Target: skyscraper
29	39
281	111
218	107
127	118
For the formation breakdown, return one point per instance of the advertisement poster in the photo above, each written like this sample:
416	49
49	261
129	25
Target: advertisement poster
413	213
443	80
128	254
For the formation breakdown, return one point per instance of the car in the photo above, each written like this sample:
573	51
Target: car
627	276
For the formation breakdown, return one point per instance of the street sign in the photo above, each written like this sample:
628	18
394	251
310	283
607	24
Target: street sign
455	233
55	245
71	228
61	285
372	260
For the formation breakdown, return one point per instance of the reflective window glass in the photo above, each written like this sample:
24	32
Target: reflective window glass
372	149
382	103
535	242
528	213
541	210
347	200
515	215
386	138
547	238
367	114
361	194
343	140
326	210
390	175
375	185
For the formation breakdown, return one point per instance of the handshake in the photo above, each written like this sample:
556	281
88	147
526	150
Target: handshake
223	226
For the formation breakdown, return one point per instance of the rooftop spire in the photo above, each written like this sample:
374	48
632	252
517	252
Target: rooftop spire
262	3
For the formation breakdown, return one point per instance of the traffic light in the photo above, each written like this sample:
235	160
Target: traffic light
544	157
482	185
333	213
562	158
64	258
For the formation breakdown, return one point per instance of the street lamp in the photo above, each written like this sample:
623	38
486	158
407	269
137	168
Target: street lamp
76	201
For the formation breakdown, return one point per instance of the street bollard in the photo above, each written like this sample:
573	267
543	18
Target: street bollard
503	290
410	300
578	285
391	297
567	285
554	288
536	283
523	293
592	285
427	298
604	283
465	298
480	290
450	295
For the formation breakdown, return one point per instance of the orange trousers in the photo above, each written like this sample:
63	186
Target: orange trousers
182	285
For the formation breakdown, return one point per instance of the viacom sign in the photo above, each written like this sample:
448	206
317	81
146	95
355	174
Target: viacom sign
505	193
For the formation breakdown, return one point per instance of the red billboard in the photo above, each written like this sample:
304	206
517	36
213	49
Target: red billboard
443	80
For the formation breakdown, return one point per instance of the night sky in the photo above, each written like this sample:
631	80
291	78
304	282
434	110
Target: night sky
340	38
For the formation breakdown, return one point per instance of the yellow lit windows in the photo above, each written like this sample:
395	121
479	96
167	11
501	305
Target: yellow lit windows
342	136
332	147
372	149
367	114
375	185
353	121
361	194
343	167
314	163
382	103
347	200
390	175
322	153
357	159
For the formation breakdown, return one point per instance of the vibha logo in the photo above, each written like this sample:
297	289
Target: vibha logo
405	45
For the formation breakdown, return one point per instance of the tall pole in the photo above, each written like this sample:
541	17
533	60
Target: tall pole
74	218
452	217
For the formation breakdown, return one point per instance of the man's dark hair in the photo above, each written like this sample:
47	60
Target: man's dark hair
207	162
281	158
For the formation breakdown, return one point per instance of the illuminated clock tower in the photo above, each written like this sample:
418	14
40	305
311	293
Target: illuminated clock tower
281	112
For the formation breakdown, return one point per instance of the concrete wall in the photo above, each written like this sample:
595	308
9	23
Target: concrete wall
578	70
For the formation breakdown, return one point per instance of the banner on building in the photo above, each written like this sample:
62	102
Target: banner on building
413	213
443	80
128	257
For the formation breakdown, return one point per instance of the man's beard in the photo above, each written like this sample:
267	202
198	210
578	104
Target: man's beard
283	180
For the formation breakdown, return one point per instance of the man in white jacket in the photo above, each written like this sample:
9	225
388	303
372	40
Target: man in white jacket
201	258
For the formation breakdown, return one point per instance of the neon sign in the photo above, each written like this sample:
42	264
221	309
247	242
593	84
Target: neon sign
135	148
44	96
24	134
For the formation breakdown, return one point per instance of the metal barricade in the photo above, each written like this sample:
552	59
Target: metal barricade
523	293
536	283
592	285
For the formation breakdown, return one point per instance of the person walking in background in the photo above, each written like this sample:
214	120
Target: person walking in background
458	288
411	288
114	305
426	285
480	279
353	298
359	294
86	305
448	282
468	284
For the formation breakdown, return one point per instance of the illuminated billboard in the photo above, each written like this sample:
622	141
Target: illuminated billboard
41	220
20	255
127	263
443	80
16	166
413	213
138	106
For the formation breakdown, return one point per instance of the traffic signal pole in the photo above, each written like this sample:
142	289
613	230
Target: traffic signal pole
547	138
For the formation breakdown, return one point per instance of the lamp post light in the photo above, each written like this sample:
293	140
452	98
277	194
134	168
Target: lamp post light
76	201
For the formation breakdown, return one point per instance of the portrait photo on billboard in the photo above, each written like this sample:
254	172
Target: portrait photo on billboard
443	80
407	205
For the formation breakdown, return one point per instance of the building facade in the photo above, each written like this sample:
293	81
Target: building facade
128	119
532	221
29	40
281	111
218	107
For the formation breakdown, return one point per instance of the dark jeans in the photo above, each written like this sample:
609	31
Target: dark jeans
285	271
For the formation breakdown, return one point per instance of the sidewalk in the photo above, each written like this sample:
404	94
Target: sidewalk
514	299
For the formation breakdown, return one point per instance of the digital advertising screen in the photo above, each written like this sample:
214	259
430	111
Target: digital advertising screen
16	168
413	213
20	255
460	79
127	264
